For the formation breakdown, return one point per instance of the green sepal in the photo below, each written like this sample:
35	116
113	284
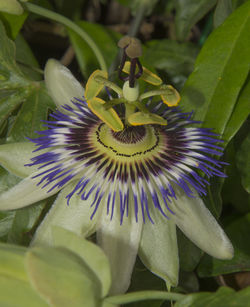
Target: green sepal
93	87
109	117
147	75
171	97
140	118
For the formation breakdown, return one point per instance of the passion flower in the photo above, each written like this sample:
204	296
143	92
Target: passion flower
130	173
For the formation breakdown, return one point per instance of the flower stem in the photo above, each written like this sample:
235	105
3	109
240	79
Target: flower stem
143	296
68	23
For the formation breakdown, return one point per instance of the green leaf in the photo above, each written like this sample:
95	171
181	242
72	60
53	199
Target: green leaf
233	193
224	296
238	231
7	181
222	11
220	71
12	261
29	117
186	247
26	59
13	23
16	293
188	13
213	199
202	299
23	221
62	278
243	162
173	57
240	112
105	40
90	253
15	89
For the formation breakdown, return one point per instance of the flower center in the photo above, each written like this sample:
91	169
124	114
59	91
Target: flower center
131	142
130	135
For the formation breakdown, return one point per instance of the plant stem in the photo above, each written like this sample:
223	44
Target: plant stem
68	23
143	296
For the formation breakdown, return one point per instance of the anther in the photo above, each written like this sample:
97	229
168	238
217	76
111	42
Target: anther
131	48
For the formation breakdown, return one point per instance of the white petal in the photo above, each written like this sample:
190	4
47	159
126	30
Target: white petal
74	217
14	156
25	193
198	224
61	84
120	244
159	249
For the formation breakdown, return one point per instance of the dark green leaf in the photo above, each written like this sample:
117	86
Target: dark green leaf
220	71
238	232
213	199
237	3
188	13
32	111
23	221
240	112
14	88
206	299
105	40
26	60
142	279
222	11
173	57
222	297
243	163
189	253
233	193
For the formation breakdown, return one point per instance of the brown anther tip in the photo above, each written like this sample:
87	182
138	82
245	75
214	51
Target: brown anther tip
124	41
134	50
132	45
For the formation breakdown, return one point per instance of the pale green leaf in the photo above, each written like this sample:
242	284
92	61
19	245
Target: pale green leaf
91	254
62	278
